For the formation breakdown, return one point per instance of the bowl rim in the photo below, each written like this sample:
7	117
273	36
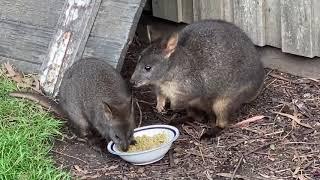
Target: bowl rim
172	128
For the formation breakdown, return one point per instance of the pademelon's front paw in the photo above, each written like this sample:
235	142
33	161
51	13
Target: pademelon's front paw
161	103
160	107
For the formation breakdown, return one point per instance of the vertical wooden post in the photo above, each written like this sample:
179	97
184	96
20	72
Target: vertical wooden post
67	45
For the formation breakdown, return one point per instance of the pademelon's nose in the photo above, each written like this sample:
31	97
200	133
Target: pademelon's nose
124	147
132	81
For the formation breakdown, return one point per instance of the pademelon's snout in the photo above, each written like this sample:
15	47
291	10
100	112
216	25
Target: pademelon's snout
136	83
133	82
124	146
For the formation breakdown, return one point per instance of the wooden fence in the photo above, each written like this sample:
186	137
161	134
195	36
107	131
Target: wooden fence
292	25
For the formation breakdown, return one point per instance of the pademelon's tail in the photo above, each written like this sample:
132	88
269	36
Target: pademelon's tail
44	101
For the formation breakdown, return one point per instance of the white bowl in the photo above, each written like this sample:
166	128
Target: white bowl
151	155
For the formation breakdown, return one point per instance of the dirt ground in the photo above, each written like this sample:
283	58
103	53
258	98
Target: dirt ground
284	145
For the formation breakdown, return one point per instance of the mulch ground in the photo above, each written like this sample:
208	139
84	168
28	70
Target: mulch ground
284	145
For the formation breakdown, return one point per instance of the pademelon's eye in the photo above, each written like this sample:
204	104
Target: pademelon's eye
147	68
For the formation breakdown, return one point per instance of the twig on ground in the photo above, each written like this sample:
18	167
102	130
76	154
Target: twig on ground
277	115
261	147
229	175
145	102
185	129
301	143
197	128
280	77
206	156
295	119
201	155
259	132
69	156
237	143
237	167
140	113
247	121
269	85
172	117
274	133
171	162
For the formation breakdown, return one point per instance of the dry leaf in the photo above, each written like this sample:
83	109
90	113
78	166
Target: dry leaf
301	177
315	80
36	83
113	167
28	81
11	72
17	79
295	119
296	170
302	107
23	85
80	170
91	176
247	121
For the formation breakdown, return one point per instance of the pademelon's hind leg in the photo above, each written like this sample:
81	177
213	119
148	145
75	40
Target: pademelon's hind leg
253	94
79	124
84	131
223	108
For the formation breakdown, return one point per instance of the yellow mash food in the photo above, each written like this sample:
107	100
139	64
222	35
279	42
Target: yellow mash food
145	142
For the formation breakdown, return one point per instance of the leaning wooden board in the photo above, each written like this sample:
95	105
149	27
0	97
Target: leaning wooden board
68	42
28	28
113	35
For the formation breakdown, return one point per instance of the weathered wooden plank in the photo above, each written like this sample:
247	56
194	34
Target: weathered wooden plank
43	13
68	43
249	15
187	11
115	23
227	10
273	23
315	27
102	48
207	9
274	58
167	9
24	42
24	66
296	27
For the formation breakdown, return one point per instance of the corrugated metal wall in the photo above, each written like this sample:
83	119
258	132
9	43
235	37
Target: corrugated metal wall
293	26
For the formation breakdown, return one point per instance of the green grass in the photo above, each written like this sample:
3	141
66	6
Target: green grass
26	134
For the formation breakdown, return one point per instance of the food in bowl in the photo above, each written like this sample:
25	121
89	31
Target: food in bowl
146	142
144	157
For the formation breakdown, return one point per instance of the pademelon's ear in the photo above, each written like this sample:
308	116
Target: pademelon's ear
169	44
108	110
149	34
